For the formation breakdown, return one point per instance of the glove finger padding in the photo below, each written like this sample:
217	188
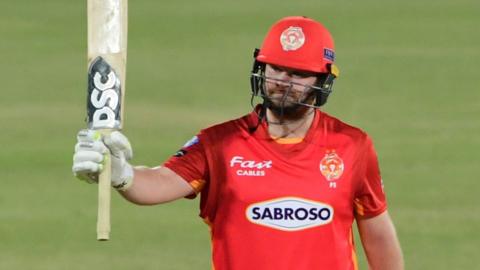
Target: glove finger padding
88	177
91	156
86	167
95	146
89	135
87	170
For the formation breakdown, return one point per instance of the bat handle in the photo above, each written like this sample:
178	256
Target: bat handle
104	189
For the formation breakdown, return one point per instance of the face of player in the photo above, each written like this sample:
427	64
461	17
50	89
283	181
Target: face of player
286	89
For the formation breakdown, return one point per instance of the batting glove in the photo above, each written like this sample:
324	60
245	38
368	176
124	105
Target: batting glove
90	152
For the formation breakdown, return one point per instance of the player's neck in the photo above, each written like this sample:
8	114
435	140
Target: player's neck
291	128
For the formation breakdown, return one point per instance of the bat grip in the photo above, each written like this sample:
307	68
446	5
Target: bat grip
104	189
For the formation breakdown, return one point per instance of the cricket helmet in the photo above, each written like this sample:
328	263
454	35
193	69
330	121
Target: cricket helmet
301	43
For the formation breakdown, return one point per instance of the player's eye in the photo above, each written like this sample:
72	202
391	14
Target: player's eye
276	68
300	74
303	74
292	72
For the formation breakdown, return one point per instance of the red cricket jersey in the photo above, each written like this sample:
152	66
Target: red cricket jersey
281	206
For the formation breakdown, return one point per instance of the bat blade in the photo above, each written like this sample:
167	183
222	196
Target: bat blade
107	55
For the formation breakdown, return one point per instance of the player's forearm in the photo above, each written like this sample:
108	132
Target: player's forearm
385	255
155	186
380	243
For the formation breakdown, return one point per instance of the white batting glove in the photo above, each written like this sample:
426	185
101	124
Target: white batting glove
89	156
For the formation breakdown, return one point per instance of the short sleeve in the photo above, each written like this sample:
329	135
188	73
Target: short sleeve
370	198
190	163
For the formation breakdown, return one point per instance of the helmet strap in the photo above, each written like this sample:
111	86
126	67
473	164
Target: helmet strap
258	67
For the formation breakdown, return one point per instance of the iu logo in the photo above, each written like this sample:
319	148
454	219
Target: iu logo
331	166
292	38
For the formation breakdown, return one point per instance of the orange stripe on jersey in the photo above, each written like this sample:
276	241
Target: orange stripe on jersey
359	209
210	224
288	140
354	253
197	185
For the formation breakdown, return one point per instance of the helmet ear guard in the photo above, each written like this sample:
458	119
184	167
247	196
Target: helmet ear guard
325	82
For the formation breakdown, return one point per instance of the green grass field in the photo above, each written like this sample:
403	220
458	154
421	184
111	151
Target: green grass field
409	76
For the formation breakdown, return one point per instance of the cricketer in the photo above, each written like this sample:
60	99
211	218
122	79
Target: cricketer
281	186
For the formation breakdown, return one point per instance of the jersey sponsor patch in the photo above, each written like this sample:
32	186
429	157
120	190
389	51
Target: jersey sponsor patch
244	167
331	166
290	213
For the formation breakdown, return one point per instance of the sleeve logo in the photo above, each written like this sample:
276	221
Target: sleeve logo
182	152
191	142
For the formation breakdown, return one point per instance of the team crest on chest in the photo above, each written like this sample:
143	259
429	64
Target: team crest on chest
331	166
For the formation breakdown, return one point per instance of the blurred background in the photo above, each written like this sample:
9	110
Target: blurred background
408	77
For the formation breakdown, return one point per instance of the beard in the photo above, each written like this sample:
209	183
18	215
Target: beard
286	110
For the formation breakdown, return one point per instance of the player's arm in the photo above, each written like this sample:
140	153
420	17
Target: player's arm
156	185
145	186
380	242
375	226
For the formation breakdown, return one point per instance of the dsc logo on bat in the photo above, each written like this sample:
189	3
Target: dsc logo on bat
103	104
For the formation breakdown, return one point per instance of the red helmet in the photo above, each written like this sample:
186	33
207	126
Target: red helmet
300	43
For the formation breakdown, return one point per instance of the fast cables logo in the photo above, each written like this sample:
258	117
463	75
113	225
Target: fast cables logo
290	213
250	167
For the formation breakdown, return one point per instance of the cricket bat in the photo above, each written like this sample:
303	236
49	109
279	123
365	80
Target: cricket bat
107	55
